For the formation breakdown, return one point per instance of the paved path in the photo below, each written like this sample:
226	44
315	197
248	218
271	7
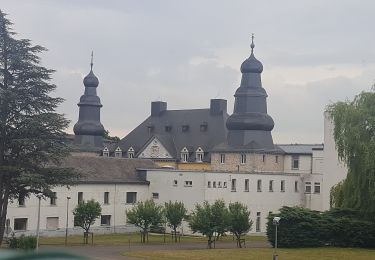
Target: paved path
114	252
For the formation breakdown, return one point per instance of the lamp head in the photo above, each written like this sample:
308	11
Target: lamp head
276	220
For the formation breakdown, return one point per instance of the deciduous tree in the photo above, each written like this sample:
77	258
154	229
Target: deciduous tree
175	212
32	137
239	220
85	215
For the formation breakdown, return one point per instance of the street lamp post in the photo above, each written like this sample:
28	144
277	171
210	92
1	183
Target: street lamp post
67	220
276	222
39	196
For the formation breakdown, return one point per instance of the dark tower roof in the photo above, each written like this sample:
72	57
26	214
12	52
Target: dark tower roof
88	129
250	126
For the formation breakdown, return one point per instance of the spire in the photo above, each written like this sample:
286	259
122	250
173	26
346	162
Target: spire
252	45
92	59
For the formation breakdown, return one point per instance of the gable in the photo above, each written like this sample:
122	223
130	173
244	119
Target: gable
155	149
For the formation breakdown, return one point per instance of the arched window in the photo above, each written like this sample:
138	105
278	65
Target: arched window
199	154
118	152
184	155
105	152
131	152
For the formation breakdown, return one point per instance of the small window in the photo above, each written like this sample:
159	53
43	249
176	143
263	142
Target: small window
296	186
295	162
105	220
214	184
168	128
52	223
282	186
222	158
21	201
106	197
317	187
80	197
277	159
188	183
247	186
203	127
131	197
259	186
257	226
199	154
224	184
307	187
209	184
52	200
118	152
243	158
264	158
219	184
234	184
20	224
184	154
155	195
185	128
175	182
105	152
270	188
131	153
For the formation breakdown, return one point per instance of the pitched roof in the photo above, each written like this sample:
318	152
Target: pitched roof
108	169
300	148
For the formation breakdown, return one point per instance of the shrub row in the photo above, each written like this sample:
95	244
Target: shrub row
22	242
300	227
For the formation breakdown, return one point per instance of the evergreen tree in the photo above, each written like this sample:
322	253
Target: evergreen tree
31	133
354	135
175	212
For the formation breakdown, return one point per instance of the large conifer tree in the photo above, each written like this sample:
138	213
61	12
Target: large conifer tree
31	133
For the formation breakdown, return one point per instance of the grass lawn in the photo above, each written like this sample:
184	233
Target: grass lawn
121	239
258	253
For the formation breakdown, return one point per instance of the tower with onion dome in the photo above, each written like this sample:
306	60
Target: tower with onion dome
88	130
250	126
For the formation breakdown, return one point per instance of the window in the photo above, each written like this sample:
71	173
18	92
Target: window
80	197
307	187
295	162
203	127
199	153
243	158
118	152
257	226
277	159
234	184
264	158
184	154
188	183
219	184
21	200
131	153
224	184
214	184
222	158
20	224
316	187
52	200
106	197
155	195
209	184
259	186
52	223
296	186
168	128
185	128
270	187
105	152
175	182
105	220
247	185
282	186
131	197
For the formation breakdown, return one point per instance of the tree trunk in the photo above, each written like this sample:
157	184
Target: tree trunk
175	234
209	242
238	237
4	198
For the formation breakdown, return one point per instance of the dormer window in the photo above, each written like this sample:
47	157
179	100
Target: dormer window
185	128
184	154
118	152
150	128
131	152
199	154
203	127
168	128
105	152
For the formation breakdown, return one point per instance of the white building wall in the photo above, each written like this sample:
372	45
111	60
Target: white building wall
304	164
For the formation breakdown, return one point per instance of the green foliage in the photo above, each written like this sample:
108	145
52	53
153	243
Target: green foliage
22	242
300	227
354	134
108	137
32	137
209	219
145	215
86	213
239	220
175	212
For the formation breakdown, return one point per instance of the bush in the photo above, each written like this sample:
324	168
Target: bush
300	227
22	242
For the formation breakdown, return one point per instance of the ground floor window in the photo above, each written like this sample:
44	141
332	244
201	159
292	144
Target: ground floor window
20	224
257	224
105	220
131	197
52	223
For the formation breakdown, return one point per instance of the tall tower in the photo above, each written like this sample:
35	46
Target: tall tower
250	126
88	130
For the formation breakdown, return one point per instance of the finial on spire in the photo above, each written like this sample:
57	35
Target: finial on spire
252	43
92	59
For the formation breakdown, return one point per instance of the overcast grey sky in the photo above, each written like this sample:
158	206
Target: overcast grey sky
187	52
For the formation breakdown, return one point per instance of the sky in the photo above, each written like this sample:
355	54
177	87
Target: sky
185	53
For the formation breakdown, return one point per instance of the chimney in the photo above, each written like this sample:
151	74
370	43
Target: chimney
218	107
157	107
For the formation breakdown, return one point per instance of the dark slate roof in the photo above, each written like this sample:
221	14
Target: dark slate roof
251	147
108	170
175	140
300	148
